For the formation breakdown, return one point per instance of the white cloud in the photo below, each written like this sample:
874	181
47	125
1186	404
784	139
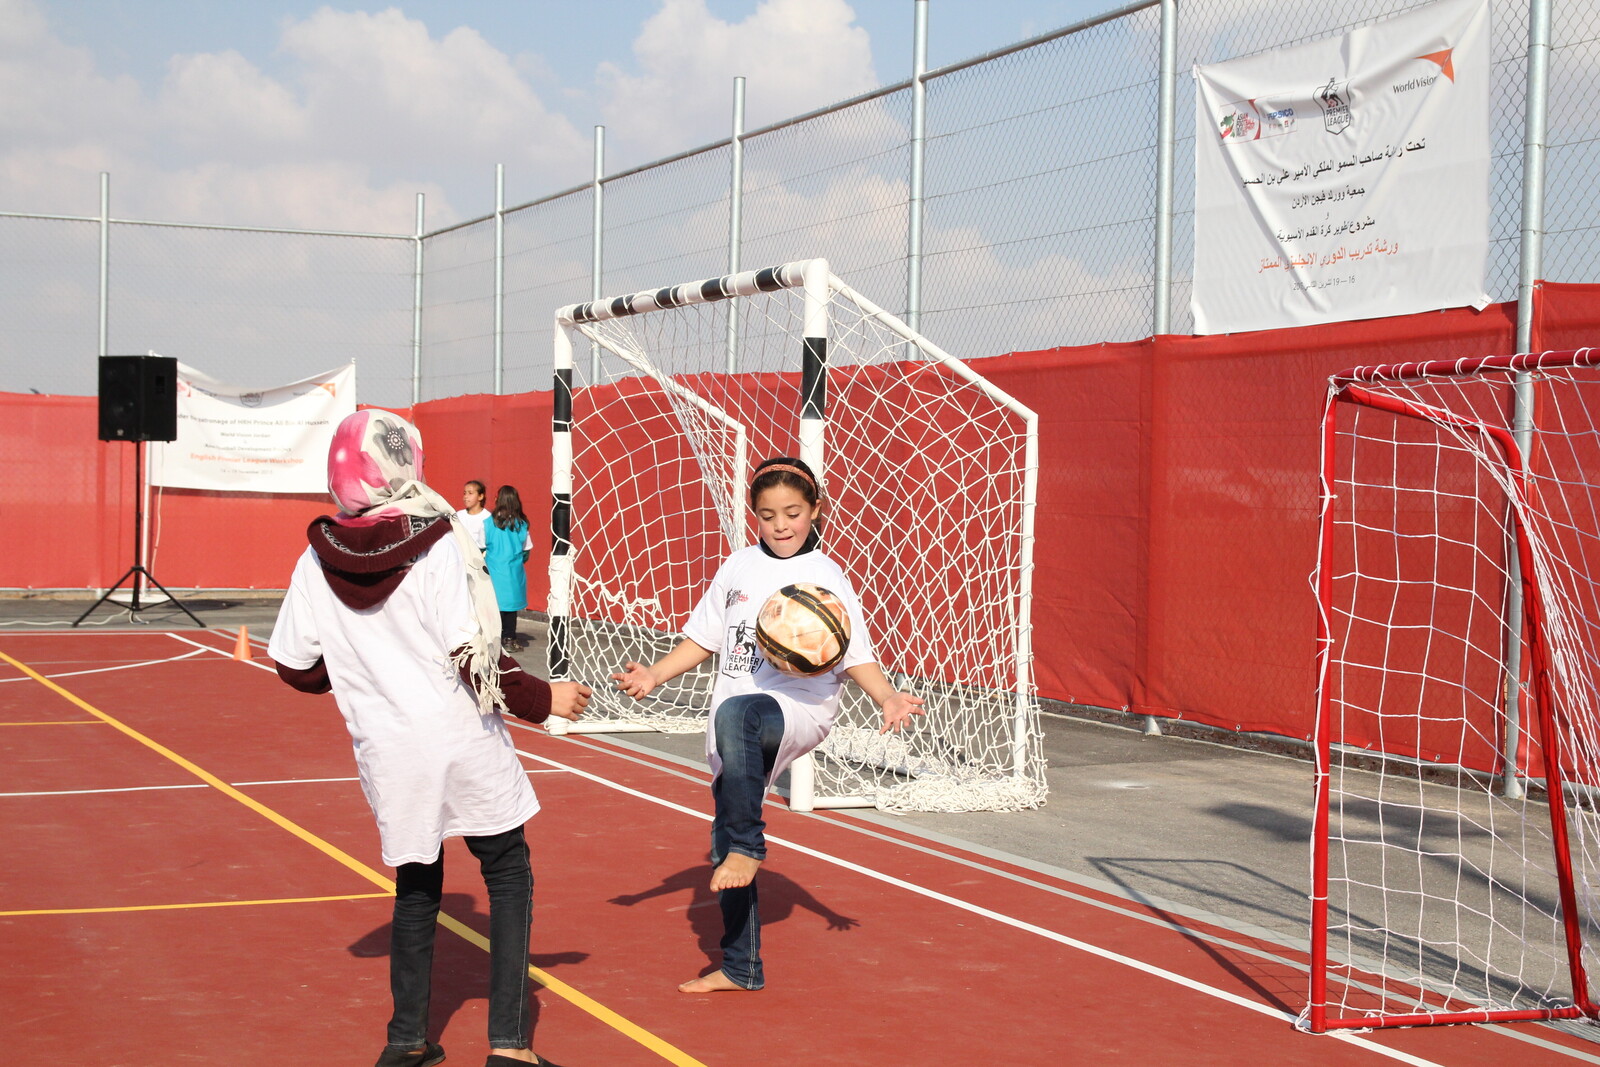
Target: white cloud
380	85
375	100
369	110
796	54
53	93
221	100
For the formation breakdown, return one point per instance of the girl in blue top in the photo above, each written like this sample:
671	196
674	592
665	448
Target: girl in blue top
506	543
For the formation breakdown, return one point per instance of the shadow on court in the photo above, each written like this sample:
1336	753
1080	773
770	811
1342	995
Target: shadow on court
1227	884
460	970
780	896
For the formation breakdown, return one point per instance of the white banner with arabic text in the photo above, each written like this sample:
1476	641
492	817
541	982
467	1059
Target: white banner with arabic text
1346	178
234	438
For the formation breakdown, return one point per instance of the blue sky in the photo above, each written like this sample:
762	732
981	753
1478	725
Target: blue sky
286	112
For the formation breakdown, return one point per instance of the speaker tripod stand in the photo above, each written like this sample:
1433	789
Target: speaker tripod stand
138	569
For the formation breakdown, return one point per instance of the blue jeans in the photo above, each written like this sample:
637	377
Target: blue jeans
748	731
418	888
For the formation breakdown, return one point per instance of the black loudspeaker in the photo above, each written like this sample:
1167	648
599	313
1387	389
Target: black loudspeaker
138	398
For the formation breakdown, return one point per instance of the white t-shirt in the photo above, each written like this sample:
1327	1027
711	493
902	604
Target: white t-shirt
725	622
431	766
474	523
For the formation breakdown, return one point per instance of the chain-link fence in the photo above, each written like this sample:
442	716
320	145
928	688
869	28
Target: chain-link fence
1039	222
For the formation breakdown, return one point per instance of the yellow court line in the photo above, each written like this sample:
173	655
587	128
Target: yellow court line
199	904
666	1051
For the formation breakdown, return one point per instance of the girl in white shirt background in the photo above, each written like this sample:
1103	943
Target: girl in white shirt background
472	512
763	719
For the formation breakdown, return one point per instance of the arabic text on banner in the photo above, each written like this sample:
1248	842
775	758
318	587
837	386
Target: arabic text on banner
240	439
1346	178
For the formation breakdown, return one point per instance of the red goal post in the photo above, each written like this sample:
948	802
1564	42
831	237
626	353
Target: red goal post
1456	847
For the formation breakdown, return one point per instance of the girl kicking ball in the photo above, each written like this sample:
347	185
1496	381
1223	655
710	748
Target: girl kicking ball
763	718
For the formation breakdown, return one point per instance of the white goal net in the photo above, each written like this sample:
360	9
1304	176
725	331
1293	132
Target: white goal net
1456	859
928	470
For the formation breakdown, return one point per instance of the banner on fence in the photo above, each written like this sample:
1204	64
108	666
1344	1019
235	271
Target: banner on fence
235	438
1346	178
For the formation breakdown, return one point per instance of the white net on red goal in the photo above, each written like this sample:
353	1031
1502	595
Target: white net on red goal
1457	857
928	474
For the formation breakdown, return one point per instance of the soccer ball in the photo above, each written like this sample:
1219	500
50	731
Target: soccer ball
803	629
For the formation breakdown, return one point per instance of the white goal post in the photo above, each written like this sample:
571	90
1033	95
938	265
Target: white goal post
664	402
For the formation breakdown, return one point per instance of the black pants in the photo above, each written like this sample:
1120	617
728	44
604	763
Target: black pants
508	626
503	859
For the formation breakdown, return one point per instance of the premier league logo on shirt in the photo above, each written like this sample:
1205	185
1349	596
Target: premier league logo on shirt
741	657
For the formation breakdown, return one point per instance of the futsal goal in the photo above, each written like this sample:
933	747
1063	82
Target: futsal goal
664	402
1456	858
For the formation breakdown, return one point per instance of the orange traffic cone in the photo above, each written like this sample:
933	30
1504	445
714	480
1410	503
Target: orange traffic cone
241	647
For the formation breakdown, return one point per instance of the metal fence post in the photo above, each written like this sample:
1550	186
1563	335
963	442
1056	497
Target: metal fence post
919	114
105	256
597	262
1166	124
499	278
1530	268
416	311
735	207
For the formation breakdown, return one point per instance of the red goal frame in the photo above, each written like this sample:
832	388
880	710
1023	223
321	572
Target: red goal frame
1353	387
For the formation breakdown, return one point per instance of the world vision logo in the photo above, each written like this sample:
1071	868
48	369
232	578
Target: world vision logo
1437	63
1334	100
331	387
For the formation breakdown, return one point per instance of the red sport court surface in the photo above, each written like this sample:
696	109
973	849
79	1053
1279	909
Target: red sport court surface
192	875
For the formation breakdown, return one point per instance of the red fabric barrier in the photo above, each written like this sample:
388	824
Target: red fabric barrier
77	491
1176	524
498	440
62	494
1177	510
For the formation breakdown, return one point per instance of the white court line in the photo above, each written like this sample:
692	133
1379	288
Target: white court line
101	670
1027	927
221	651
126	789
294	781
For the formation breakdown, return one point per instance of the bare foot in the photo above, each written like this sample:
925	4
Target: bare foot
735	872
715	982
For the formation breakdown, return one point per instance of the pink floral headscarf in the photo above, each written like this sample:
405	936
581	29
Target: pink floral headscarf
373	455
375	473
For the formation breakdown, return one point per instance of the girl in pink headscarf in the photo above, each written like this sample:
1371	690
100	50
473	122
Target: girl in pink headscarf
390	608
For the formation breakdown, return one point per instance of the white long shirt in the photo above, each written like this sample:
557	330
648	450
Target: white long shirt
724	621
474	523
431	766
